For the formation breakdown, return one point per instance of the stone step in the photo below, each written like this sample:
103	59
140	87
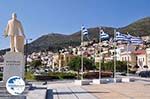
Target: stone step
13	97
5	95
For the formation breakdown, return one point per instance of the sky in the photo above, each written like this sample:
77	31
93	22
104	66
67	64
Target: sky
40	17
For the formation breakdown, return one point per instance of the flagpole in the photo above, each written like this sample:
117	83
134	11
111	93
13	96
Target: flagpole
81	56
127	57
100	54
127	60
114	55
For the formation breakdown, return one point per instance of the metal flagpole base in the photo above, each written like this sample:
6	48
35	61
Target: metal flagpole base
116	80
96	81
100	81
82	82
126	79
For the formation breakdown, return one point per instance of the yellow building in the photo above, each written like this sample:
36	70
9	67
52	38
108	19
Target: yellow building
62	59
130	57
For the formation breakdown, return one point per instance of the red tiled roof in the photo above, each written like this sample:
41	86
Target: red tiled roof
138	52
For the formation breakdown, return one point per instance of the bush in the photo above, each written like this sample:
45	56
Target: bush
109	66
55	75
45	77
67	76
94	75
75	64
1	76
91	75
29	76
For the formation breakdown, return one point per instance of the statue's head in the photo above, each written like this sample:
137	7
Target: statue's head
14	15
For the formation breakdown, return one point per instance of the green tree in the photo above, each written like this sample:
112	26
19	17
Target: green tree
121	66
36	63
75	64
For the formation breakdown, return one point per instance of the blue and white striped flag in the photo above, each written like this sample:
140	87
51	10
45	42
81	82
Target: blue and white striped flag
84	30
103	35
135	40
121	37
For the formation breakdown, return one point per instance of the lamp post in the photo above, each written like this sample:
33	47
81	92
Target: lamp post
26	54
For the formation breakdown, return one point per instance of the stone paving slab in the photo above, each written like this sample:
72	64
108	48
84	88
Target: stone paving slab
63	93
37	92
82	93
133	90
69	91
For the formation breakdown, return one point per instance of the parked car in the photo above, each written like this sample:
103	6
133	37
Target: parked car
144	74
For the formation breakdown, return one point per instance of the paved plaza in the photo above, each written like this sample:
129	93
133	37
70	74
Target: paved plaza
68	90
133	90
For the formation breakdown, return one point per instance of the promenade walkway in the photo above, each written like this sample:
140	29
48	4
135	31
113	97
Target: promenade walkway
68	90
37	92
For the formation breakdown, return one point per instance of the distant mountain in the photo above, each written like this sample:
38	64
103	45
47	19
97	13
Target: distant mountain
53	42
138	28
56	41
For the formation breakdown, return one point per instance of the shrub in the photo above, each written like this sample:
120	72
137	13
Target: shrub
1	76
45	77
92	75
29	76
109	66
75	64
55	75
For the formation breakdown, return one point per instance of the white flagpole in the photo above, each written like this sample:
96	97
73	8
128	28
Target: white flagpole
127	58
100	53
81	55
114	55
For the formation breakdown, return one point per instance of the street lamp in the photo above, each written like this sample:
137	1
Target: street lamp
26	54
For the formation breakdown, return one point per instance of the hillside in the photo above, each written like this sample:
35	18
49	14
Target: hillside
138	28
56	41
53	42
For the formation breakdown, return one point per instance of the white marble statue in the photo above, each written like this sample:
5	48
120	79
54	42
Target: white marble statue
15	31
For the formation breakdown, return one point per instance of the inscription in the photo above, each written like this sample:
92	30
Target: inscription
13	63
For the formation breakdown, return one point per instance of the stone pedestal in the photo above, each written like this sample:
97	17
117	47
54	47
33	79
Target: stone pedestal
5	95
14	64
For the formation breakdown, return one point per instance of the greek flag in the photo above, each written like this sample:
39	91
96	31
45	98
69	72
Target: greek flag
103	35
84	30
121	37
135	40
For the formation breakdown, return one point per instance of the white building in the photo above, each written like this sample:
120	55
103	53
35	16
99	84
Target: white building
148	57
